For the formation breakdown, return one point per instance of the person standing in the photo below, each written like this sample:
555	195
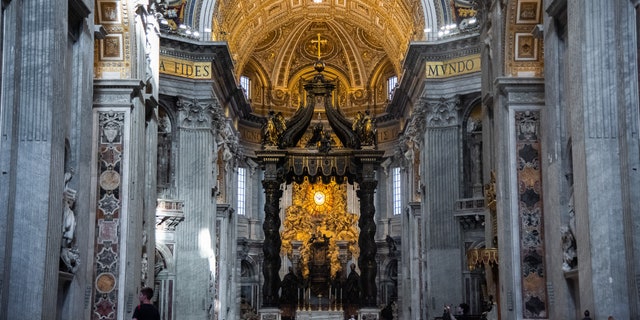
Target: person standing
289	287
145	310
353	287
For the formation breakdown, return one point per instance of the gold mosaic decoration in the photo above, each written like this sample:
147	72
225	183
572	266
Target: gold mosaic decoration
318	212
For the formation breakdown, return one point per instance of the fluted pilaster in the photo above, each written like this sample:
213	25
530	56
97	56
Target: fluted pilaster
598	116
34	102
442	172
195	235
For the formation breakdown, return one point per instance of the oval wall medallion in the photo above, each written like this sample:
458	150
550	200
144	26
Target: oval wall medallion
105	282
109	180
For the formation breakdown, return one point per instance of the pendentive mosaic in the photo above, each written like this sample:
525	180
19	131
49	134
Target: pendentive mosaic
110	146
534	294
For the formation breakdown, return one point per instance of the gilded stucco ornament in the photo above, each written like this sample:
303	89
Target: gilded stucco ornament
319	213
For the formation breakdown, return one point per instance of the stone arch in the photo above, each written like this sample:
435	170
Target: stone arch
389	281
378	82
249	285
430	19
164	259
260	83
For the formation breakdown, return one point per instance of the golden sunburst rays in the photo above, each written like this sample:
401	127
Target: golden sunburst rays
319	211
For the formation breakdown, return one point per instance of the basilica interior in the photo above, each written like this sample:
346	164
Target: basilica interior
320	159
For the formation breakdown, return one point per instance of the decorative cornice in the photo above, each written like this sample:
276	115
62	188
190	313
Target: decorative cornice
521	90
444	49
411	86
121	84
181	47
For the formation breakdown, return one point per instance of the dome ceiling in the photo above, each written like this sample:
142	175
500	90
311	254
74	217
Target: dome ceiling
385	26
362	42
275	43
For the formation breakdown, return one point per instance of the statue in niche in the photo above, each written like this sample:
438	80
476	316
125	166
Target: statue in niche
569	255
145	268
69	253
569	247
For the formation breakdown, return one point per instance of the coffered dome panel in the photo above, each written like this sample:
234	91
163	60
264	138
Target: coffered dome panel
356	30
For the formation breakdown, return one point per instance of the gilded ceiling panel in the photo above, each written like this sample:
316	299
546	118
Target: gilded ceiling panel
524	51
394	21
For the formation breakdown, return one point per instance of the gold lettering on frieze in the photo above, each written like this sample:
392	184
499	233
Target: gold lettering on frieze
185	68
453	67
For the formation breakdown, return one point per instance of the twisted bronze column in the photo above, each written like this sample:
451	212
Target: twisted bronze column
367	242
272	243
